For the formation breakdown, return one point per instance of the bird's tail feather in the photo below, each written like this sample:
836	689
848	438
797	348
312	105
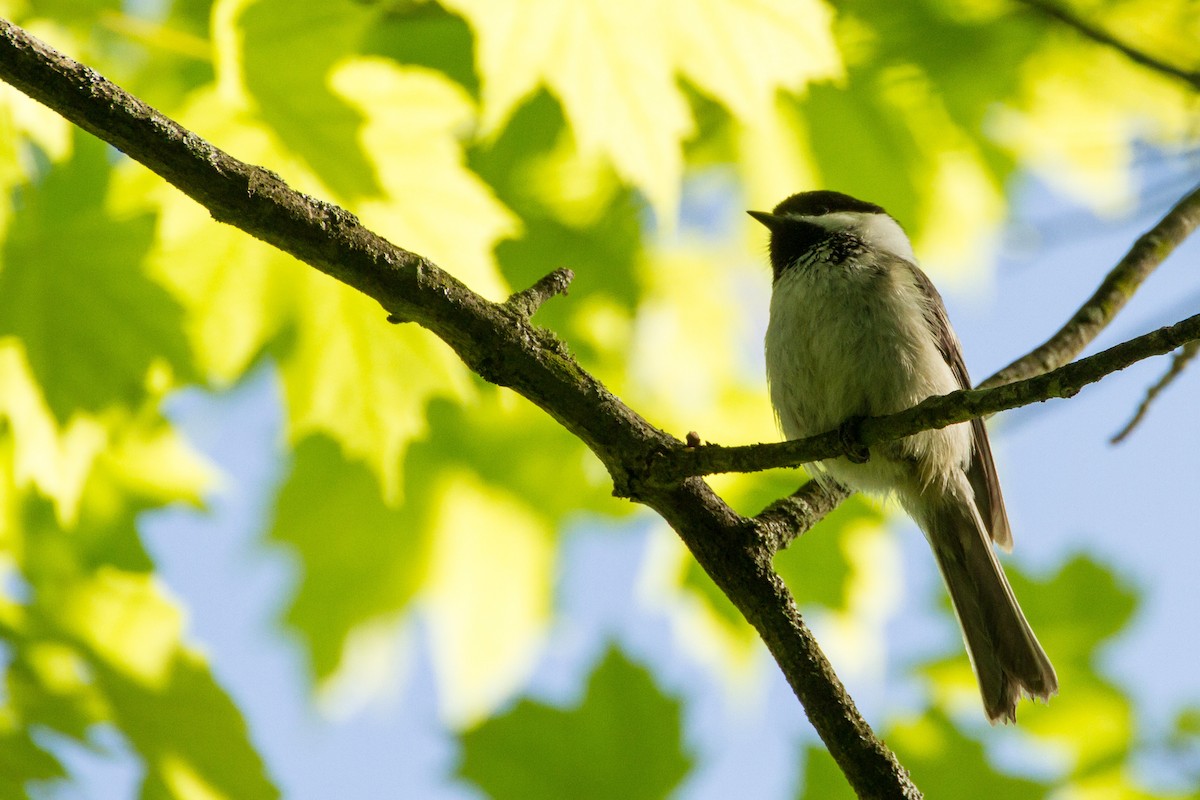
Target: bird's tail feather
1005	653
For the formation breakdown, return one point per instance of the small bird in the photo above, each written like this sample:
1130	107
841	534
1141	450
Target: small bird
858	330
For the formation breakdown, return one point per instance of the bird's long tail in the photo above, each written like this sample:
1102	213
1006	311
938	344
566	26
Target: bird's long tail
1004	651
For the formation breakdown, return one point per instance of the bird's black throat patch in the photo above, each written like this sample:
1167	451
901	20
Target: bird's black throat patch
797	244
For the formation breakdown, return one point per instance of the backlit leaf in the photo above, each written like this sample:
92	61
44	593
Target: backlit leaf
614	67
488	599
352	376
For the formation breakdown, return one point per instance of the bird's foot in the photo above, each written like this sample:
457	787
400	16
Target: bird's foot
850	435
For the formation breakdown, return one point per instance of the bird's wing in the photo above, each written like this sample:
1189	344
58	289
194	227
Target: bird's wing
981	472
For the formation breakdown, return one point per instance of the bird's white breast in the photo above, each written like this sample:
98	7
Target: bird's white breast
852	339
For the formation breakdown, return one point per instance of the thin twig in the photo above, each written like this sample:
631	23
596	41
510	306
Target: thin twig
935	412
1096	34
1178	363
788	518
528	301
1114	292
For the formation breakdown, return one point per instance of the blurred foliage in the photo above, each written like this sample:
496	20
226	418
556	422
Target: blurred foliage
623	740
504	140
1088	730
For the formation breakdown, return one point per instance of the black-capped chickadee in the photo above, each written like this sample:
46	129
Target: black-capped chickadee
858	330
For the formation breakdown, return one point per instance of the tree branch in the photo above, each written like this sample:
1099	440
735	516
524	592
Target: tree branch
1178	363
495	340
790	517
1151	248
935	412
1055	11
528	301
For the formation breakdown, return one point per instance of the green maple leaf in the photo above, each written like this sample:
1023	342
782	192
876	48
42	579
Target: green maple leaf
72	289
623	740
615	64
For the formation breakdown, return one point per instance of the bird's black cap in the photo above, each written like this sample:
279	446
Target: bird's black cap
815	204
792	236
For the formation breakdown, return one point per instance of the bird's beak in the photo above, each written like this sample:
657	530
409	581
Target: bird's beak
772	221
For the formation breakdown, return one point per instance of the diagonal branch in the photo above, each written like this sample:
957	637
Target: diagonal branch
527	302
499	342
935	412
1181	360
1096	34
495	340
789	517
1151	248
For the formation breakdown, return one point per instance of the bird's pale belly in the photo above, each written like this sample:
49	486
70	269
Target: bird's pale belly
859	354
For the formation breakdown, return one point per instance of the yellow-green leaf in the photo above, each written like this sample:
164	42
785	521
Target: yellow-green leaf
489	592
56	460
614	65
351	375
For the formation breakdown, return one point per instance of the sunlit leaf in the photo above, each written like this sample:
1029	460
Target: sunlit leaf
817	567
26	127
346	373
705	623
1119	783
55	461
614	66
380	139
1084	142
686	349
351	375
427	36
106	648
55	559
124	621
605	63
741	53
310	121
1073	612
49	684
489	594
505	440
822	778
1077	609
575	214
189	732
879	36
927	745
237	290
150	464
